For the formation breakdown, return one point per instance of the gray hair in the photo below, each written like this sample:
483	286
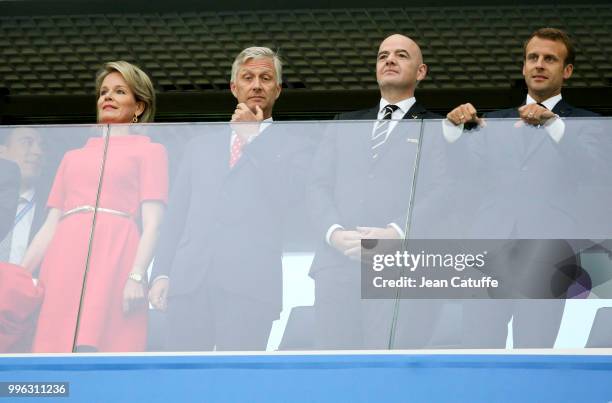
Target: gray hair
257	52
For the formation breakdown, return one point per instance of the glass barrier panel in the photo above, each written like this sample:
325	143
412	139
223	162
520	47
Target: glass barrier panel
241	261
194	233
50	177
510	223
360	189
176	237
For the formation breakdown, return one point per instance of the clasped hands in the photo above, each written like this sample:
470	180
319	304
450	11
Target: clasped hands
532	114
349	241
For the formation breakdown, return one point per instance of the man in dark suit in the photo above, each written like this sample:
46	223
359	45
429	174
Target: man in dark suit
549	57
217	270
361	188
20	158
24	146
529	198
9	191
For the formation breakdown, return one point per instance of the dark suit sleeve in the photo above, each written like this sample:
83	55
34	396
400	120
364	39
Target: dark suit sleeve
321	182
9	195
175	217
321	185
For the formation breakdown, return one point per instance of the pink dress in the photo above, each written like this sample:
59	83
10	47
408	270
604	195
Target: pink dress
136	170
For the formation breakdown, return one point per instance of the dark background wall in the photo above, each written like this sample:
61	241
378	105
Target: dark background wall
51	50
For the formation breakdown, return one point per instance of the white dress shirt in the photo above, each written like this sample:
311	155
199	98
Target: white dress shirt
21	231
554	126
402	108
262	126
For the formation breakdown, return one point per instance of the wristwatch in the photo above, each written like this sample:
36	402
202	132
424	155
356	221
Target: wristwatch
137	277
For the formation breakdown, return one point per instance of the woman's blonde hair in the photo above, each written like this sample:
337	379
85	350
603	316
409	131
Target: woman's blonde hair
138	81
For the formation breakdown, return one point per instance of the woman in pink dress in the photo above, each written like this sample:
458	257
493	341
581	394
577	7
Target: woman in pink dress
102	308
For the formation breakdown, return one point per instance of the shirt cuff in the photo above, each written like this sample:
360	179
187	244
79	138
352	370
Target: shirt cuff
329	232
397	229
556	128
450	131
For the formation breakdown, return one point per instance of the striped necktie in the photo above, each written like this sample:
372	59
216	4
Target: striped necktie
5	247
5	244
381	129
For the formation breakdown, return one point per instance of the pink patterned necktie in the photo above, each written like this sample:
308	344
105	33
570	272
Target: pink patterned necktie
236	151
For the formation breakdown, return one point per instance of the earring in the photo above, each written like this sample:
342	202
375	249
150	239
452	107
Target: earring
135	120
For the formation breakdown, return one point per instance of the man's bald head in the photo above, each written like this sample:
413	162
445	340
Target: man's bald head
399	67
405	42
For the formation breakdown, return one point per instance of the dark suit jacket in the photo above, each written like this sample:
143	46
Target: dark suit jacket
348	187
528	188
9	195
562	109
528	182
223	225
416	112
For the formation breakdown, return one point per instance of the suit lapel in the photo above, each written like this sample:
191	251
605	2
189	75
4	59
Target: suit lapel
399	132
563	109
363	134
221	144
265	136
40	212
370	114
416	112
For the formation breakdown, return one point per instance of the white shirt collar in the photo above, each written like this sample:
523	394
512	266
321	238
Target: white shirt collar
28	195
550	103
264	124
404	105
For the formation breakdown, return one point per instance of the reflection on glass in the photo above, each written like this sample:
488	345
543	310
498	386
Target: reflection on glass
359	190
219	255
93	255
134	184
241	244
540	192
36	152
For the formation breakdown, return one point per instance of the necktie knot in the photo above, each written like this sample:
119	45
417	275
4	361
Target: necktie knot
388	111
381	129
